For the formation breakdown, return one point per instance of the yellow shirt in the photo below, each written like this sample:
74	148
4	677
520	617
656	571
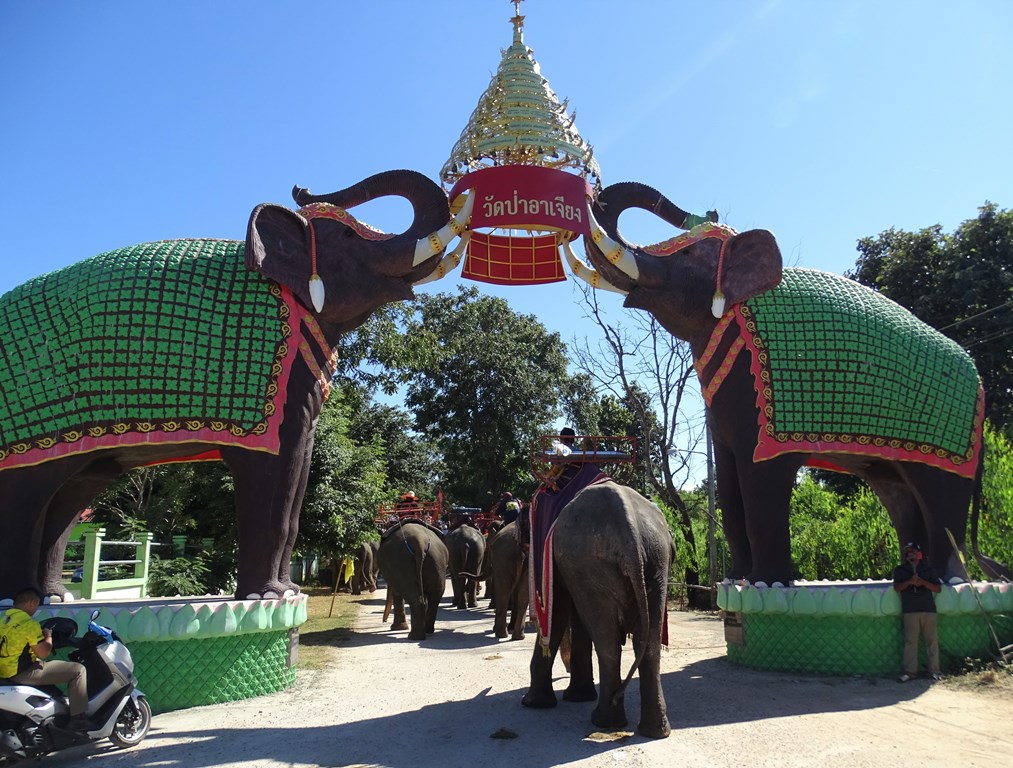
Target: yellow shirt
18	633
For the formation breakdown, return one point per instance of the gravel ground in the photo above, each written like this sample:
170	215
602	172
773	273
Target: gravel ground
454	700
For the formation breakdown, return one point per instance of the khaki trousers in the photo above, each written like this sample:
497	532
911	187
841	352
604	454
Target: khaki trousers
57	671
920	623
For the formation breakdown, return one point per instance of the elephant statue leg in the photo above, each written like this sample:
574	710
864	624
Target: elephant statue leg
924	502
733	512
60	516
755	499
38	507
23	501
268	491
767	492
285	563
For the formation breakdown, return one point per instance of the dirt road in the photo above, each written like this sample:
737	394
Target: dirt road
454	702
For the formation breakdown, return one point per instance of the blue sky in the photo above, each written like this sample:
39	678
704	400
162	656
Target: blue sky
825	122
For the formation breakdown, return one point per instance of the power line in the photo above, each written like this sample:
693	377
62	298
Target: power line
1001	334
974	317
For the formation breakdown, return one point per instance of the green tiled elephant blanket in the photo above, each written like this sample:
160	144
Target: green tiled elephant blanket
173	341
841	369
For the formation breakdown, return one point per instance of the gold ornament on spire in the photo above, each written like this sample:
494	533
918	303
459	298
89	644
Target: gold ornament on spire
520	121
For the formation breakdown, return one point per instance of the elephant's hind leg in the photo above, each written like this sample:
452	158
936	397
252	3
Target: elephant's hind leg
400	622
653	711
581	687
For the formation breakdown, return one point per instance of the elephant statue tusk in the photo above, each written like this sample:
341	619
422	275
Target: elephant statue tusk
590	276
449	262
622	257
427	247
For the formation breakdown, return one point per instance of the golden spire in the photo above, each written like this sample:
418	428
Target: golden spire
520	121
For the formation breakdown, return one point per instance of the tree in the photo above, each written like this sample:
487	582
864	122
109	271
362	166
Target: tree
490	381
961	284
182	499
837	538
648	371
995	524
346	484
410	462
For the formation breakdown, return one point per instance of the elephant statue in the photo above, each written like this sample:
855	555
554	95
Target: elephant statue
508	581
367	567
611	551
466	547
801	367
414	560
195	350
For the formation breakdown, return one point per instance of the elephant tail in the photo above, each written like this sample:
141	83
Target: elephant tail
990	567
638	587
419	555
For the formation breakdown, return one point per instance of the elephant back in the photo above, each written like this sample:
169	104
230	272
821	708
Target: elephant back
840	367
172	341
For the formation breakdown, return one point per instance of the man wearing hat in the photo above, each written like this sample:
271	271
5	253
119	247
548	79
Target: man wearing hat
917	583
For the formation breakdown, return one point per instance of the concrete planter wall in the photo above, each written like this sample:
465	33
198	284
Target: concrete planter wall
190	651
848	628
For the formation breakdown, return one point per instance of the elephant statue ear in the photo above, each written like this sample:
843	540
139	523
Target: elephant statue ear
751	266
277	246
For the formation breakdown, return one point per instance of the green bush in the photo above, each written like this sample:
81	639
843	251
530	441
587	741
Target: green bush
178	576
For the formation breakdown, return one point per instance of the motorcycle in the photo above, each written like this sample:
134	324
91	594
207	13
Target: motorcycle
33	719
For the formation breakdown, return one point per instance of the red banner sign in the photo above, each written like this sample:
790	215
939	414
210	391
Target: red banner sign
527	197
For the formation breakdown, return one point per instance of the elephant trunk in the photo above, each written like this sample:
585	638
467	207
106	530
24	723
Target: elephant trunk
616	198
428	201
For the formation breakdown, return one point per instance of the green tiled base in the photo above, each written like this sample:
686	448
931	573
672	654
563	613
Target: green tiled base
854	628
190	651
856	645
190	673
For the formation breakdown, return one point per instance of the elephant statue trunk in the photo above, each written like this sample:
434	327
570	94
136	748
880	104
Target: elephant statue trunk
430	211
631	194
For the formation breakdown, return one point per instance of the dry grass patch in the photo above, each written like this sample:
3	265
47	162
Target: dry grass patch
327	625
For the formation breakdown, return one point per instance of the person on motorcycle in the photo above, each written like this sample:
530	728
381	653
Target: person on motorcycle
23	646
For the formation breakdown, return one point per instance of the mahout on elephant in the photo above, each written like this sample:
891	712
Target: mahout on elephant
414	562
195	349
466	548
611	551
367	567
800	367
508	581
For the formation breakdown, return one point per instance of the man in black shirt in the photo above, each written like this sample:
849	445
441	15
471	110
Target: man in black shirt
917	583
